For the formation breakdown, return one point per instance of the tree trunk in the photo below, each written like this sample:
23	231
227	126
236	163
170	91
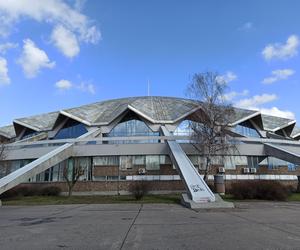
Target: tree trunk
70	189
206	172
70	192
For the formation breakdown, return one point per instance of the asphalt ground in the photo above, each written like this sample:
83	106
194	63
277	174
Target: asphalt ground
252	225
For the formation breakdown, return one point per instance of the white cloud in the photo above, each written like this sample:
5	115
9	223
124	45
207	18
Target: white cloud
33	59
232	95
54	12
63	84
65	41
87	87
255	101
277	112
229	76
6	46
277	75
4	78
282	51
246	26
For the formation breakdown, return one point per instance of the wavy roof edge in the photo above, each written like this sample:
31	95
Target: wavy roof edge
157	109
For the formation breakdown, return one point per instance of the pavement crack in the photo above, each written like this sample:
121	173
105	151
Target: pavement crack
129	229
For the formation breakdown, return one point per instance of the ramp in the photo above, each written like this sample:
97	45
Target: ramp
41	164
196	186
283	152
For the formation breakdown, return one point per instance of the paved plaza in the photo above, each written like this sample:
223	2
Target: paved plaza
255	225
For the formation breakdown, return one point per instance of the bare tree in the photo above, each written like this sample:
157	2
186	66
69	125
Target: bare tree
2	151
211	123
3	154
71	174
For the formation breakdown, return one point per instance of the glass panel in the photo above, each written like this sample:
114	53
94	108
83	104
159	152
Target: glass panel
29	133
194	159
152	162
112	178
55	173
99	178
164	159
125	162
72	129
132	128
183	129
231	162
84	163
106	161
246	129
275	163
139	160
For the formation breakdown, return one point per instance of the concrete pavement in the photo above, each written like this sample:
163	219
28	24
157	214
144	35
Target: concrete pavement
255	225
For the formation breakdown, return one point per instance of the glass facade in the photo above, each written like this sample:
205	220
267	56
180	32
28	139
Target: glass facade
29	133
132	128
246	129
184	129
275	164
232	162
72	129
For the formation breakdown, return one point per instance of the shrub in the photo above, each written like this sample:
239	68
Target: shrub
262	190
138	189
31	191
51	191
9	194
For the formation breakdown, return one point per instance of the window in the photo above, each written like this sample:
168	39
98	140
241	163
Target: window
132	128
72	129
139	160
275	163
256	161
152	162
194	159
184	129
29	133
231	162
106	161
164	159
246	129
125	162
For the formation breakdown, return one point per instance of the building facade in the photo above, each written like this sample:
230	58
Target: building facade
117	142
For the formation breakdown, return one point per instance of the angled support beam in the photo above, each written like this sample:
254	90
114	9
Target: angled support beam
197	189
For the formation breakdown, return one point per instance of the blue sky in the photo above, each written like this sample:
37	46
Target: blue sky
57	54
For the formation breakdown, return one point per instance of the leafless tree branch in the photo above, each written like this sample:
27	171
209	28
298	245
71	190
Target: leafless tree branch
210	131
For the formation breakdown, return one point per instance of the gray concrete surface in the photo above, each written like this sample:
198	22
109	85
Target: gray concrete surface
257	225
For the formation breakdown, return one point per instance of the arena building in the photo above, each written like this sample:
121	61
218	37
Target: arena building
120	141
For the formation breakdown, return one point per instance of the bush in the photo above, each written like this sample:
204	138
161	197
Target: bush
138	189
9	194
31	191
261	190
51	191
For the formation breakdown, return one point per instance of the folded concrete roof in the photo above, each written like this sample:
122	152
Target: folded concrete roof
156	109
274	123
8	131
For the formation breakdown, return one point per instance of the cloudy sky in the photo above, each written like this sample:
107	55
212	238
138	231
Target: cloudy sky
56	54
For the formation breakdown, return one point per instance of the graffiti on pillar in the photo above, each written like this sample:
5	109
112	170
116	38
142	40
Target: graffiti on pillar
196	188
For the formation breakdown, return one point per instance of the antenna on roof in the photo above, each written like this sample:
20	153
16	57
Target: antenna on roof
148	87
